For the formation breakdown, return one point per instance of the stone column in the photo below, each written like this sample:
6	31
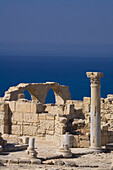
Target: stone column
31	153
95	124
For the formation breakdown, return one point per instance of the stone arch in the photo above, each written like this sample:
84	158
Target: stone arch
38	92
27	94
59	98
50	98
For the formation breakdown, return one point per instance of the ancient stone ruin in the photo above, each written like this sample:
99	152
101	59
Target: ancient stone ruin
22	117
68	124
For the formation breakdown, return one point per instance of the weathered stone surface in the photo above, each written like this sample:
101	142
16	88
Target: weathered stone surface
95	130
30	130
39	91
29	117
16	129
20	116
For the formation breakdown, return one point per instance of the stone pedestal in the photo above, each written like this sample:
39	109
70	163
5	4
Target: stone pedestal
31	153
95	124
64	151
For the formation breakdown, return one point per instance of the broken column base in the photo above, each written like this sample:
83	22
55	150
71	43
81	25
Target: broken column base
31	153
1	149
96	149
64	151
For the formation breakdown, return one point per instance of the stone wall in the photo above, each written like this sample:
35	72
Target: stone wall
28	118
23	117
4	118
106	121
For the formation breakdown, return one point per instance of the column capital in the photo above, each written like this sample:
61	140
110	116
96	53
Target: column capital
95	77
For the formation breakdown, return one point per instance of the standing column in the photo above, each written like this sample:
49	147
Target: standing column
95	125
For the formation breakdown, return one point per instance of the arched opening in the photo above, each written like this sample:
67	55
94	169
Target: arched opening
50	98
27	95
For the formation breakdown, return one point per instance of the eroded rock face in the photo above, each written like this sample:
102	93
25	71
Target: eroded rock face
39	92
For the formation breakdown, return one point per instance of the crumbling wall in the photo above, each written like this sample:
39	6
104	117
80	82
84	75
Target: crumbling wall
19	116
106	117
4	118
38	92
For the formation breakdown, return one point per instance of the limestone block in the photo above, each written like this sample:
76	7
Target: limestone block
17	116
69	101
69	109
29	117
102	106
60	130
24	139
77	103
2	115
50	117
42	116
108	116
12	106
37	107
109	95
47	124
41	131
2	129
2	106
106	100
24	107
84	137
14	122
16	129
49	138
104	140
54	109
2	120
30	130
84	144
75	141
57	118
87	100
36	124
57	139
106	106
18	106
50	132
86	108
111	107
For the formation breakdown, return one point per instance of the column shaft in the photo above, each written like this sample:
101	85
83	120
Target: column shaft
95	133
95	124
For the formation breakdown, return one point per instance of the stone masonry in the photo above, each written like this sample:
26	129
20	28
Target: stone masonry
22	117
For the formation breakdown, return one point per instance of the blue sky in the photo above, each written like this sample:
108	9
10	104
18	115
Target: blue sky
56	21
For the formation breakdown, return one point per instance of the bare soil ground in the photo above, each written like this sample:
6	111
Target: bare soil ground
82	159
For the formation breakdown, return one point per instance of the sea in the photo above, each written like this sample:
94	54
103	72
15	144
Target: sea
65	70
